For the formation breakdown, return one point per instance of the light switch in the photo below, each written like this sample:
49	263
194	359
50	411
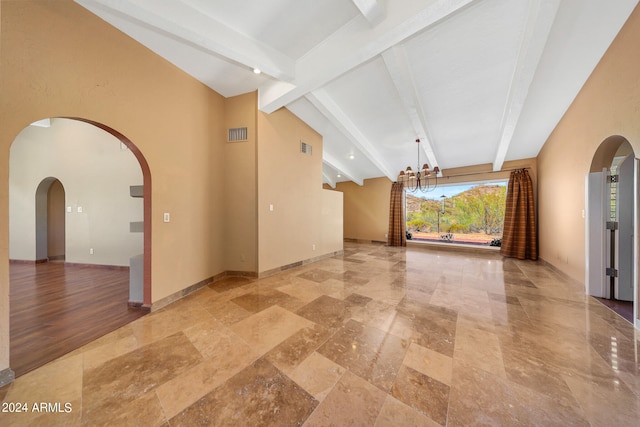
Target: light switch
167	217
270	207
69	210
79	209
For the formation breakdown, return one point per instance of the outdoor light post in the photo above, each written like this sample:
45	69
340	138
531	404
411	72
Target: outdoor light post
441	211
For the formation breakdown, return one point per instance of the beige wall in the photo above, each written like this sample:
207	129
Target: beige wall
60	60
241	190
292	183
331	217
366	209
607	105
4	238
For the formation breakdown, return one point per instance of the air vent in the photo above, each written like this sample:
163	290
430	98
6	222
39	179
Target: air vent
237	135
306	148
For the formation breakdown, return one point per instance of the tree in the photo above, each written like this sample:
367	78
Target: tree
481	208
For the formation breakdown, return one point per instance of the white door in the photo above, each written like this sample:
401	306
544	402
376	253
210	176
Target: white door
597	196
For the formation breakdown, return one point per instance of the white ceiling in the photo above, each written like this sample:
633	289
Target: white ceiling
478	81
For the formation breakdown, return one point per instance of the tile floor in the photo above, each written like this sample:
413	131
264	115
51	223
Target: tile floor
377	337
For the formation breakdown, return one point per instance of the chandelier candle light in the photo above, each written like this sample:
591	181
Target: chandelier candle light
422	180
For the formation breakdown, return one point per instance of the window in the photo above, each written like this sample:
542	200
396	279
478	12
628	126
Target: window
462	213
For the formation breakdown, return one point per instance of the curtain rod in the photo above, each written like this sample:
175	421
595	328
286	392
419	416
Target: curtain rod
481	173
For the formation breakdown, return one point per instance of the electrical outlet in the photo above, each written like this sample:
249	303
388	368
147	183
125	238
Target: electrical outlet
90	251
313	247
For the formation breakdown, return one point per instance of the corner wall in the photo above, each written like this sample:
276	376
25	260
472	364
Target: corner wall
607	105
241	186
366	209
306	221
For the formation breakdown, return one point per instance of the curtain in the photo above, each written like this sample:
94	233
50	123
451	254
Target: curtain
519	237
396	235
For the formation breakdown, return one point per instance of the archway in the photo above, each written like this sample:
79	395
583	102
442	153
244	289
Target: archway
50	220
146	196
611	223
79	209
146	175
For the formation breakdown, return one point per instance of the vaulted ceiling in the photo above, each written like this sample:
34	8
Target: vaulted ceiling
477	81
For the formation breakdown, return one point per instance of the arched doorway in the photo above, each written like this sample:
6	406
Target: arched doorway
612	221
146	191
50	220
87	217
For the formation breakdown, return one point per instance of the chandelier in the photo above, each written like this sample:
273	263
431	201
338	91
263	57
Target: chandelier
424	179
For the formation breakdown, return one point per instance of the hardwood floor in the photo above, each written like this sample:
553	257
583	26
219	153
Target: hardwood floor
623	308
56	308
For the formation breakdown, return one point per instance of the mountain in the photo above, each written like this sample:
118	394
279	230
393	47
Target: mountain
414	203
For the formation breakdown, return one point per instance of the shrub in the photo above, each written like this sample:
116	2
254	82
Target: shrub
458	228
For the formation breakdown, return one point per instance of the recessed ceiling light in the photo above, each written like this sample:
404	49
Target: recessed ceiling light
339	176
256	71
351	156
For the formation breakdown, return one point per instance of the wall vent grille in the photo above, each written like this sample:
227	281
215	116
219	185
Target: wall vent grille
237	135
306	148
